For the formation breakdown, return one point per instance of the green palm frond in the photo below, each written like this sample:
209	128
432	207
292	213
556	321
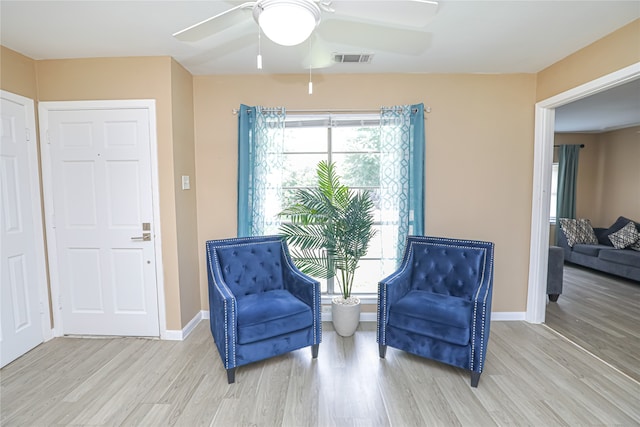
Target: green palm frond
315	263
330	228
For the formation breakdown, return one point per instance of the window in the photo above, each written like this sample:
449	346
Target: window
353	144
554	194
278	153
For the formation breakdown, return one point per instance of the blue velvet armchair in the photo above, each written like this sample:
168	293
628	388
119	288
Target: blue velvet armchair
438	303
260	304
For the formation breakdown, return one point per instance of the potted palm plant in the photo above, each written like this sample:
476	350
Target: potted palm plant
329	229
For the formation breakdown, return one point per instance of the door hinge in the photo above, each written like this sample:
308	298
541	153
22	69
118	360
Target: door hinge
27	133
60	302
53	220
48	137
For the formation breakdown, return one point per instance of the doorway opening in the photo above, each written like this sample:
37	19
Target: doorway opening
543	157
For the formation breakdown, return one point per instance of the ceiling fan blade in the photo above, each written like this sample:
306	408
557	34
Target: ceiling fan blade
400	13
216	23
319	55
374	37
216	53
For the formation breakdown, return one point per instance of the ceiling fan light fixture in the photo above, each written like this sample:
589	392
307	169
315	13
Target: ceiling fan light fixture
287	22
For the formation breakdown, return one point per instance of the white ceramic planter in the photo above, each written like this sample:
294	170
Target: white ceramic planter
345	315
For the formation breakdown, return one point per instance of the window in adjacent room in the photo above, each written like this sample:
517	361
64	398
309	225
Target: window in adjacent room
554	193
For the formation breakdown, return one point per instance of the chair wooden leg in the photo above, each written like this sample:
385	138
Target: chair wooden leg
231	375
475	378
383	350
553	297
314	350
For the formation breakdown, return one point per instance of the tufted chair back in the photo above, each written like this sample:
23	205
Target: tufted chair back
251	268
260	304
446	269
438	303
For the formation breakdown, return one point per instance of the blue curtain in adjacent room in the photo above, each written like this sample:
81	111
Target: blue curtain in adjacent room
567	181
260	163
402	172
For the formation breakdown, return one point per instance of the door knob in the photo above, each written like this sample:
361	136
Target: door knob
145	237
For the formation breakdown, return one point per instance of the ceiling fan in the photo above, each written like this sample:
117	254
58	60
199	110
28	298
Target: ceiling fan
374	25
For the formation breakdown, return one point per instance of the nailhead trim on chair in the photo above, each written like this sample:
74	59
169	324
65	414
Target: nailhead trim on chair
269	239
447	243
475	314
231	341
382	291
226	310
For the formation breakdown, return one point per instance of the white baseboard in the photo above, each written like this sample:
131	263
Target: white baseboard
502	316
49	334
170	335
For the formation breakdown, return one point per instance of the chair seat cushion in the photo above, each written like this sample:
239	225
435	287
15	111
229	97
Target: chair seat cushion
270	314
442	317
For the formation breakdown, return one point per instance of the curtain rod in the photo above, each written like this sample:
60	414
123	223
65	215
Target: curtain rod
581	145
330	111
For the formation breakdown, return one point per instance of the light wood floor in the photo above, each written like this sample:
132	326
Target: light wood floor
532	376
601	313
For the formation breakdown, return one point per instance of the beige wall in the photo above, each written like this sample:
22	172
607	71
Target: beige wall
611	53
620	165
186	212
608	175
18	74
479	153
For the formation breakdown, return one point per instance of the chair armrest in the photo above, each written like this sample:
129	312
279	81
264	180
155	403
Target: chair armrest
561	240
390	290
299	284
223	317
481	320
307	290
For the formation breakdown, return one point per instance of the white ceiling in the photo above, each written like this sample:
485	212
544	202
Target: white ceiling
479	36
615	108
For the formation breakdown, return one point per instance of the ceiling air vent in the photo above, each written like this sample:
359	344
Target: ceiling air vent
353	58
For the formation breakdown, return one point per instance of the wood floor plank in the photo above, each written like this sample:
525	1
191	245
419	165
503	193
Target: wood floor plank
623	395
600	313
533	376
462	399
303	392
201	409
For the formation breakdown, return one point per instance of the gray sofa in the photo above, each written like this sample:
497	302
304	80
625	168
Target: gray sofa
603	256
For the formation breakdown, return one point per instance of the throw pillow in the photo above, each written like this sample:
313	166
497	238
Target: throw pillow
578	231
603	236
635	246
624	237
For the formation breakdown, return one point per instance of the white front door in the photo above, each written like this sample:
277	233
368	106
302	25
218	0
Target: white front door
22	265
101	218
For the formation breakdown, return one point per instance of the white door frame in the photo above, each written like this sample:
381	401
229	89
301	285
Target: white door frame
43	109
542	160
34	170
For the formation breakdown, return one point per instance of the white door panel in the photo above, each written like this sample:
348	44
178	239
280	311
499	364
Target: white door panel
101	196
22	246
